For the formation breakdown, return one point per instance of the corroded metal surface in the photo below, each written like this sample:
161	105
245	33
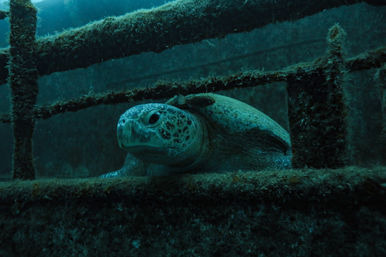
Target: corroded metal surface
24	85
175	23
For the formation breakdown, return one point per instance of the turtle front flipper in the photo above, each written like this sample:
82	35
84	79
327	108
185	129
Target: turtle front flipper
268	141
131	167
114	174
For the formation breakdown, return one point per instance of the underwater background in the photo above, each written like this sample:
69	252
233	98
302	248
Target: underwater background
333	211
84	144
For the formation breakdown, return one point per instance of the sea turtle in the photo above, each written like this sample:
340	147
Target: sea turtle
200	133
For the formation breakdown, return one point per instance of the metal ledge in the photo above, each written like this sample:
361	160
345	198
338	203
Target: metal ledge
320	186
157	29
271	213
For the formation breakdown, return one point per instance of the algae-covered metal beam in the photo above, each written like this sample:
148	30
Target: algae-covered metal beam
157	29
374	58
348	186
4	59
267	213
371	59
3	14
24	86
317	112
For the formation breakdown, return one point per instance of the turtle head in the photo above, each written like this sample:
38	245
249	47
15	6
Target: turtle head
161	133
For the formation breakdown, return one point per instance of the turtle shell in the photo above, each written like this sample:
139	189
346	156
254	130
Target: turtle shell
238	130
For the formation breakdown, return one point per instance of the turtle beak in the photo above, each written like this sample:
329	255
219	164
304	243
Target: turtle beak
131	134
127	132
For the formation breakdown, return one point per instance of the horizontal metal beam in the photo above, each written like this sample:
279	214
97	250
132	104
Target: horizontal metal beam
350	186
371	59
266	213
157	29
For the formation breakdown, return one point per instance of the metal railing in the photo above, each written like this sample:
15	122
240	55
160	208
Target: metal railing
314	89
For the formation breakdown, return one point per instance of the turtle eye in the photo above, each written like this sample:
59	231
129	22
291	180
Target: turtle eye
153	118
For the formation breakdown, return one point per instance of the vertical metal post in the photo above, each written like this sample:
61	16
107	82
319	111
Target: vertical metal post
380	78
23	77
316	109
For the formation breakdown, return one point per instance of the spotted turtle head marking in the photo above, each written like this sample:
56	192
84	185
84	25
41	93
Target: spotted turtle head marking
160	133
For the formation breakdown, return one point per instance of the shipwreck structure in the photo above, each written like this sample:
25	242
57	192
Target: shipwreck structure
317	84
347	198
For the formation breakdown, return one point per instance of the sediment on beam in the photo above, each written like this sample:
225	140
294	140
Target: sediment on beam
316	110
157	29
24	86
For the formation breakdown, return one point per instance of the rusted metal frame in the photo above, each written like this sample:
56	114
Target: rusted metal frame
175	23
316	110
23	76
371	59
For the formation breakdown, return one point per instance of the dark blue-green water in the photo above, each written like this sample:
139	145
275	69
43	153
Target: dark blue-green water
83	143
